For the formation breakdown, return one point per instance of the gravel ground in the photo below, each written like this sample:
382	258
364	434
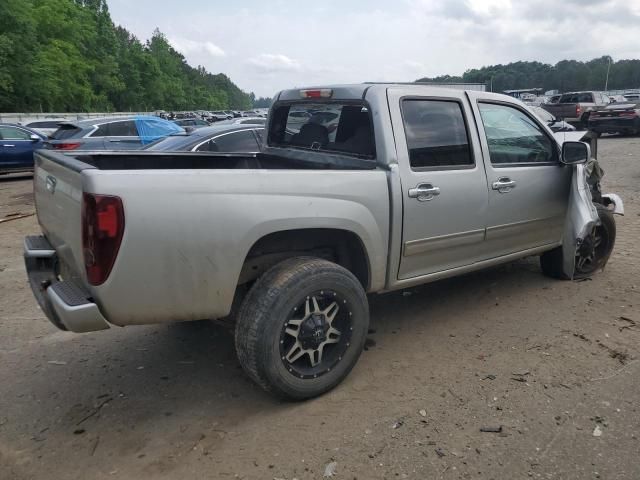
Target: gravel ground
555	364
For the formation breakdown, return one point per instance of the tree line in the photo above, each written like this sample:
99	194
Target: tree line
566	76
67	55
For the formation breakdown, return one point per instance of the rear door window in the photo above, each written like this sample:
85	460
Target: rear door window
123	129
329	127
436	134
585	98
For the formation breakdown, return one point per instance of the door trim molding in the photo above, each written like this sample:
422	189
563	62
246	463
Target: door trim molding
452	240
452	272
522	227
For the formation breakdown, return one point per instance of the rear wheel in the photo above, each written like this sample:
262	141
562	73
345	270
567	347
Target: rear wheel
302	327
592	254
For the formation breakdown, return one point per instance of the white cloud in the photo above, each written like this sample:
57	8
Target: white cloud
187	47
273	63
269	46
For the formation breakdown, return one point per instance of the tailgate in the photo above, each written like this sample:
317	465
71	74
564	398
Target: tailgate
58	199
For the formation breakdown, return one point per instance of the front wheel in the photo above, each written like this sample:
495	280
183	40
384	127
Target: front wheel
302	327
591	255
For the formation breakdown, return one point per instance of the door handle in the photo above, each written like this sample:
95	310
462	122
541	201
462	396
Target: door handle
424	192
115	140
503	185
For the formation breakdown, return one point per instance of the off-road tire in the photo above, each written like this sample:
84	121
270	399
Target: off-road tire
552	261
268	307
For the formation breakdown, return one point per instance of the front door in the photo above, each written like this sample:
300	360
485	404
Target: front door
528	186
444	186
16	147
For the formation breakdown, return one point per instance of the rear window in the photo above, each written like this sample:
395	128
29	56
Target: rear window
329	127
65	131
44	124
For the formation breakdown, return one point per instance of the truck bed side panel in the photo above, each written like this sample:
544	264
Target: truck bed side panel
188	231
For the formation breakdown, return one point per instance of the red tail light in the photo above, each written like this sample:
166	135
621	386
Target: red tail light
629	113
320	93
578	110
102	230
65	146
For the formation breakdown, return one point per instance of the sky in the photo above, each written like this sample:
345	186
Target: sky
268	45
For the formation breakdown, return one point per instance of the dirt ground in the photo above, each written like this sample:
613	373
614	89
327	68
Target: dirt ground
555	364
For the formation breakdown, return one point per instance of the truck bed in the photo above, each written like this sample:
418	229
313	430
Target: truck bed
191	220
137	160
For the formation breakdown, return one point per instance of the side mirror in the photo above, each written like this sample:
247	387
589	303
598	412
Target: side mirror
34	138
575	152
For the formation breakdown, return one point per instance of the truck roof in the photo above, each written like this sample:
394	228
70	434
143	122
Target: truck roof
357	91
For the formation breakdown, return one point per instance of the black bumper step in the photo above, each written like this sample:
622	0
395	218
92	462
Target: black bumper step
71	294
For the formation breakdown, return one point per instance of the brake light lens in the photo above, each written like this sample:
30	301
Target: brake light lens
629	113
65	146
102	230
578	110
319	93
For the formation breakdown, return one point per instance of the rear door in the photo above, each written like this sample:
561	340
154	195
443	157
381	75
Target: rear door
528	186
122	135
444	186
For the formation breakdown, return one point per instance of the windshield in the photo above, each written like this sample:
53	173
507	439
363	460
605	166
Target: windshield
331	127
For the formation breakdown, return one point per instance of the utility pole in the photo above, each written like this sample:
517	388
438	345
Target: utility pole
606	83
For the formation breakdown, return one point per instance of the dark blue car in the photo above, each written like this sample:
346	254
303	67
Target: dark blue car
17	144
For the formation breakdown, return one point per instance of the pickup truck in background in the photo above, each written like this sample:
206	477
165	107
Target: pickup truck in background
575	107
381	188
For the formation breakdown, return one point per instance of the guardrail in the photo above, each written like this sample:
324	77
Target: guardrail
33	117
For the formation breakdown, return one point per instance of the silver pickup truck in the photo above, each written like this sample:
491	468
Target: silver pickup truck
576	107
358	189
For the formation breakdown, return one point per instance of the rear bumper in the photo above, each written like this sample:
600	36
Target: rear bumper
614	125
66	305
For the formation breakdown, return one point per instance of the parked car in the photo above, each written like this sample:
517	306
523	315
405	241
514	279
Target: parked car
575	107
623	117
111	133
45	127
17	144
416	184
215	138
252	113
246	121
219	115
617	98
192	122
552	122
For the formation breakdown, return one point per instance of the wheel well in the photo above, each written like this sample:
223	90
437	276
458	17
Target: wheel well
339	246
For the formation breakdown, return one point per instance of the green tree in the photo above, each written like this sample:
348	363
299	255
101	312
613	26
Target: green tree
68	55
